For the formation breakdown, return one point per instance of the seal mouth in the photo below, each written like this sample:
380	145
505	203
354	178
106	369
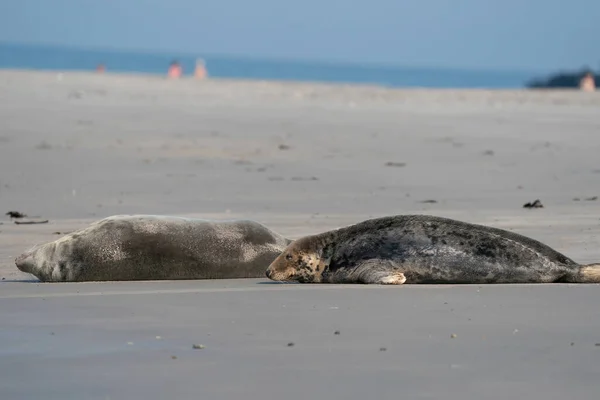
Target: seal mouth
278	276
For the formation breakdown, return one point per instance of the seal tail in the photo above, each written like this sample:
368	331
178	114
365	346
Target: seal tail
589	273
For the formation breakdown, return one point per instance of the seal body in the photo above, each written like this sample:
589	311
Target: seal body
150	247
425	249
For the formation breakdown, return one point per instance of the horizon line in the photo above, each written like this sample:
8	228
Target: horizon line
202	55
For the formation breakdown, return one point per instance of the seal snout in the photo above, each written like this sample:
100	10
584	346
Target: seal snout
25	261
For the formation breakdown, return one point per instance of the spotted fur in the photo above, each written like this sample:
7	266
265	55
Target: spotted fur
425	249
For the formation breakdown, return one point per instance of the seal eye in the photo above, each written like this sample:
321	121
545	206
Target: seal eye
288	257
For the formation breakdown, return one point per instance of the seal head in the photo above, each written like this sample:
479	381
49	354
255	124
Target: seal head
304	260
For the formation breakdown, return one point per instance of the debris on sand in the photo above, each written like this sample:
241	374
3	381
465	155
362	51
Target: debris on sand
428	201
536	204
336	332
488	153
45	221
197	346
283	147
15	214
395	164
453	336
593	198
242	162
43	145
290	344
382	349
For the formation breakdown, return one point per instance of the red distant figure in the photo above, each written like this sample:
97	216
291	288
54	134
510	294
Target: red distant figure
100	68
175	70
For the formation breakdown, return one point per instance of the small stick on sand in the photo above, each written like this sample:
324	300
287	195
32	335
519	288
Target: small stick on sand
31	222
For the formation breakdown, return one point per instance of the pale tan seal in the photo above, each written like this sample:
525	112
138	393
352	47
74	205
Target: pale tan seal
425	249
151	247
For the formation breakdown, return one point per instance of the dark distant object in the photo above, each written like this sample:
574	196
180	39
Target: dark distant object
428	201
488	153
336	332
564	79
283	147
395	164
290	344
594	198
535	204
31	222
15	214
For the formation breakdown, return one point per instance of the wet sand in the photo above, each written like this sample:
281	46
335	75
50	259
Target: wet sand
302	158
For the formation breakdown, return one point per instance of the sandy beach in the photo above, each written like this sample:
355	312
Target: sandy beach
303	158
77	147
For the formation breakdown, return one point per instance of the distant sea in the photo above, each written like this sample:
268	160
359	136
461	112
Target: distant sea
44	57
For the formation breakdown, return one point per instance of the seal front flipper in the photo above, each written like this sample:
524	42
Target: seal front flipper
371	271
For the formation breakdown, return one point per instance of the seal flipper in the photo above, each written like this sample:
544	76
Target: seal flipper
376	272
589	273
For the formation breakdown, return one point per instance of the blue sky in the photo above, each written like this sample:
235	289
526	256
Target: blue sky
498	34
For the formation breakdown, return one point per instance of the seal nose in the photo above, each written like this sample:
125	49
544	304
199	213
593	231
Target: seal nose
268	273
24	261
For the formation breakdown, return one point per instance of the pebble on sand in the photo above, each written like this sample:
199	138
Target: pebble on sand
395	164
198	346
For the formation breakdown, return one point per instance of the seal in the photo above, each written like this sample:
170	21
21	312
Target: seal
151	247
415	249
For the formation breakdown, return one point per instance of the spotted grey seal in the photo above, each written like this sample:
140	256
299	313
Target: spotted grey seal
150	247
424	249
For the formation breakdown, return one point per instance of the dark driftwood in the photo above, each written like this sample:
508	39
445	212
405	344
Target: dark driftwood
31	222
